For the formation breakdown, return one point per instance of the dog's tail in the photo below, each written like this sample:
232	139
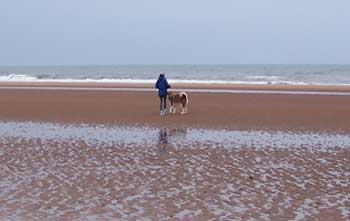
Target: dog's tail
184	94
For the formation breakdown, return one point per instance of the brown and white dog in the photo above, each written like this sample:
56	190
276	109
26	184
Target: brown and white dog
176	99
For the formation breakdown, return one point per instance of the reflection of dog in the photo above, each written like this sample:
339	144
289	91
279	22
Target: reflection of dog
176	99
166	136
178	134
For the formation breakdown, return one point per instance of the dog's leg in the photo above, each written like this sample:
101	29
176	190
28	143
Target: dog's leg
182	109
186	106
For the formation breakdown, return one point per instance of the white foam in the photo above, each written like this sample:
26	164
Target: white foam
261	80
17	78
263	77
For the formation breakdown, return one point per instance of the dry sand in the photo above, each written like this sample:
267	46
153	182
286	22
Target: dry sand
208	110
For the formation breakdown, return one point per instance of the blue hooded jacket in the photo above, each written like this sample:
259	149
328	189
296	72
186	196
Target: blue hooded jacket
162	85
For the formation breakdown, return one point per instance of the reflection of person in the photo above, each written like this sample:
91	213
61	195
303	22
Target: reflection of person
163	137
162	86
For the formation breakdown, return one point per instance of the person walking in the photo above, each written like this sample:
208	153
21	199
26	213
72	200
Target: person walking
162	86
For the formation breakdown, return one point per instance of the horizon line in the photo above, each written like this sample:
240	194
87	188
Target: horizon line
174	64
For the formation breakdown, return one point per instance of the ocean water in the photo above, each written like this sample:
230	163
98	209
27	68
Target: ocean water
215	74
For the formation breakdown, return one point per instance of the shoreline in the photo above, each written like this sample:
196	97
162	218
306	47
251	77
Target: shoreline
139	89
277	87
241	110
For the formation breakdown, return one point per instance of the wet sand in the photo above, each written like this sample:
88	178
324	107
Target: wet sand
206	110
66	172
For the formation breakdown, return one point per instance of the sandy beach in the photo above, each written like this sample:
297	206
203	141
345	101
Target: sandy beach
208	110
104	154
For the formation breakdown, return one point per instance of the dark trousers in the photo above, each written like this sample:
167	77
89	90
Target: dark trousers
162	102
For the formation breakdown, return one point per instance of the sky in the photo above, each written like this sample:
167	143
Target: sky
87	32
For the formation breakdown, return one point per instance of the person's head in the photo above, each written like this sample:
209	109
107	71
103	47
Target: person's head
161	75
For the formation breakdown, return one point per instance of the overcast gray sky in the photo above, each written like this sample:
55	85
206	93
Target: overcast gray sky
44	32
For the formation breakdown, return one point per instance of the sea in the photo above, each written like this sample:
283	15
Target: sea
209	74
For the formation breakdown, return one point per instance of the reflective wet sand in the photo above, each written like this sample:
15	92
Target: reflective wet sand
70	171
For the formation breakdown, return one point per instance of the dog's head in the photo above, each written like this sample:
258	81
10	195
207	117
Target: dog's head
171	95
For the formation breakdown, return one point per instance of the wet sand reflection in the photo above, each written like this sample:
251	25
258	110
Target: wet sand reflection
163	141
166	136
75	178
